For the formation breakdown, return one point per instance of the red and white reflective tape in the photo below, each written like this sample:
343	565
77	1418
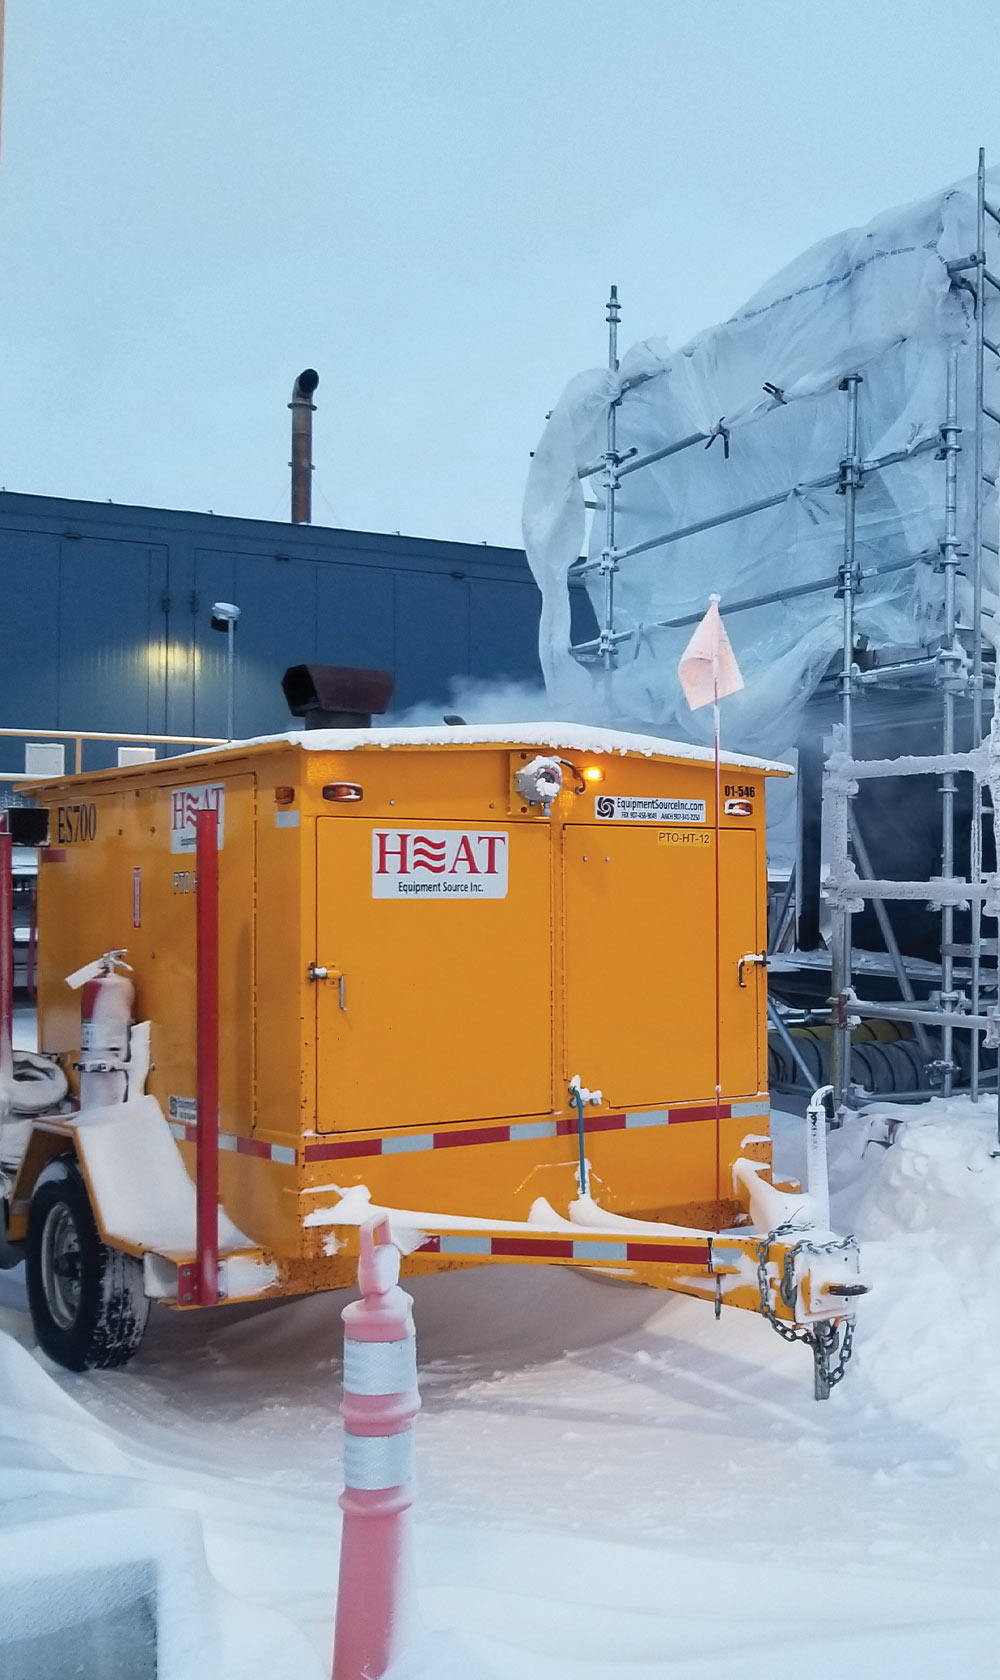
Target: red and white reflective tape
279	1152
523	1131
697	1255
519	1131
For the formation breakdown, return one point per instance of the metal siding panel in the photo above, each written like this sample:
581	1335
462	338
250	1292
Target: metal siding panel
277	628
214	580
432	638
29	565
179	631
111	651
29	640
503	630
355	616
362	598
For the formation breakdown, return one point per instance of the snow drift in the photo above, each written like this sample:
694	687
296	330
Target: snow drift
930	1226
611	1485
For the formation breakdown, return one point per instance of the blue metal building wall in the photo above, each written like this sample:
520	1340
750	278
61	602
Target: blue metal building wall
105	616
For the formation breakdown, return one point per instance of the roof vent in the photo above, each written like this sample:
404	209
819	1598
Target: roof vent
336	696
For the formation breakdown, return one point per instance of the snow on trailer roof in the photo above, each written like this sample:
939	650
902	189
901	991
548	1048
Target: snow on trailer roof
574	737
571	737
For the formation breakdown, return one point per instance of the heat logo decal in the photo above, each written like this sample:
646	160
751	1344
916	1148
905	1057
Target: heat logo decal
185	803
438	863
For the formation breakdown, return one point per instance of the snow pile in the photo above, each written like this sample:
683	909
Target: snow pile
611	1485
108	1592
103	1549
760	396
930	1229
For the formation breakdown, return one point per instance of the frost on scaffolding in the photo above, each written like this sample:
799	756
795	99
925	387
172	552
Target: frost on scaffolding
720	467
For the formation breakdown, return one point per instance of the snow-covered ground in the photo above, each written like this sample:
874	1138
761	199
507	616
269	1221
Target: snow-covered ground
611	1485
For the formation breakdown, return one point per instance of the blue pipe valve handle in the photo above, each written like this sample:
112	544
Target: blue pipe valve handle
580	1097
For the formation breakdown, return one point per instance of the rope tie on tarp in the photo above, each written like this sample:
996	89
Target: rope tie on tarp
720	430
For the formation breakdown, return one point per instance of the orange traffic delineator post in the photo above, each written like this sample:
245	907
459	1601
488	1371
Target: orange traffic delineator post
381	1400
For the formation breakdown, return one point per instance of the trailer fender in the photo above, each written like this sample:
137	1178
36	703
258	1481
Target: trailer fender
48	1141
140	1192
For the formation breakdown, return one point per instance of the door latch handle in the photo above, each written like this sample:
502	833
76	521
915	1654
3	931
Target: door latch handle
316	971
758	957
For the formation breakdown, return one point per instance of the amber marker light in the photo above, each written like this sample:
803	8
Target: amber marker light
342	791
284	796
592	774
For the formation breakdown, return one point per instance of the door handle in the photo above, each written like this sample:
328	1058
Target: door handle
758	957
316	971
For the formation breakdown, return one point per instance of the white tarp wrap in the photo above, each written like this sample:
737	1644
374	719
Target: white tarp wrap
878	301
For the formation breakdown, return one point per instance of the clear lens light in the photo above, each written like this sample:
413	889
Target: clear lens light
593	774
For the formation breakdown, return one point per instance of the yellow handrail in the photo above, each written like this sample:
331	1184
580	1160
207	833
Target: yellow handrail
120	737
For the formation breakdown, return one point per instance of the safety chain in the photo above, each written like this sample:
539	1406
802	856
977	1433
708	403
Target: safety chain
823	1336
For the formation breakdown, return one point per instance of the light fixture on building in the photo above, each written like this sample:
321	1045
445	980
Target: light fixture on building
224	618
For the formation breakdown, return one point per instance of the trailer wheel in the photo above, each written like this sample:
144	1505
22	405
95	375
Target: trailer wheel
87	1302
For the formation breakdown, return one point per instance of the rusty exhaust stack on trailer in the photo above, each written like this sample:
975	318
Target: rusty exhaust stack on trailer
301	463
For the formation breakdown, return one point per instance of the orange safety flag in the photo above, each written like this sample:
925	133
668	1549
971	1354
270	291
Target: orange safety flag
708	670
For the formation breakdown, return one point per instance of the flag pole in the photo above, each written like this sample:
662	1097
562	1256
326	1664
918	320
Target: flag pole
707	672
718	931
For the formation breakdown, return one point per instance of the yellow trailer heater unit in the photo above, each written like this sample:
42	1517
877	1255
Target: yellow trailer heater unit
437	951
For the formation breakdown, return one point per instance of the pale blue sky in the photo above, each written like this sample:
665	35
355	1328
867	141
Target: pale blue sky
426	201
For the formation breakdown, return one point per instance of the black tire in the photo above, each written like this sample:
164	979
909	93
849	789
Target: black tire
87	1302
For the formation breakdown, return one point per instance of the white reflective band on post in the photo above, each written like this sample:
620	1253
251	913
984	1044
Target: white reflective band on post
380	1367
378	1461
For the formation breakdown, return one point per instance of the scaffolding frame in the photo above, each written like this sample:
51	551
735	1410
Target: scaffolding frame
955	673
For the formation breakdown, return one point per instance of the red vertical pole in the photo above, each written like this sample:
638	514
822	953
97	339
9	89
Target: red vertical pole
6	946
207	994
33	945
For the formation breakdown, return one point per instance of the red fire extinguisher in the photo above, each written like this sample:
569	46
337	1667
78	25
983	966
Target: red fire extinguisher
107	1013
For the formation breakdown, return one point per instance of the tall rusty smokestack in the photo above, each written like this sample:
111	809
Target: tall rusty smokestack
301	463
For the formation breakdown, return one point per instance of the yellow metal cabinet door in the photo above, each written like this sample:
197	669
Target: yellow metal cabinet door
640	963
442	933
